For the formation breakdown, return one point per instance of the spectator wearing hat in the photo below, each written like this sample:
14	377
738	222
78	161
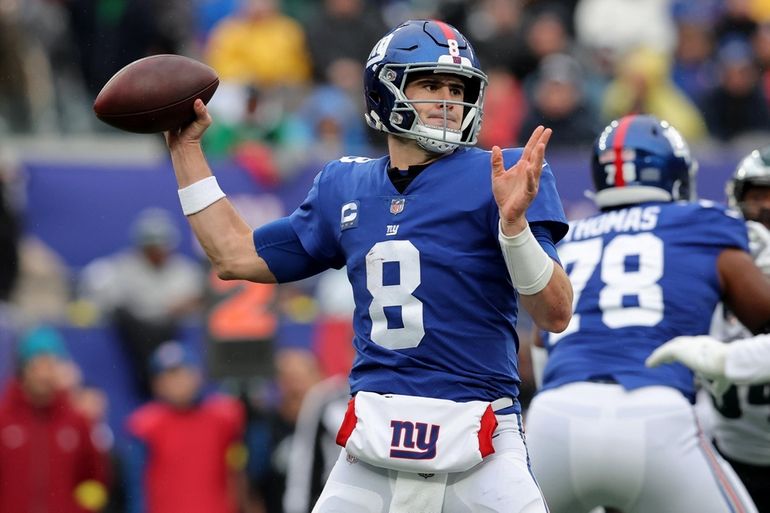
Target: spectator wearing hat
643	85
558	100
147	291
736	105
49	460
186	447
272	418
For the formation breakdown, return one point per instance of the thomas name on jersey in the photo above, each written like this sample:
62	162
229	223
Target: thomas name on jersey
634	219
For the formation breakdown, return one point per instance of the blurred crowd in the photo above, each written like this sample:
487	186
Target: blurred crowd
291	70
290	97
198	430
208	415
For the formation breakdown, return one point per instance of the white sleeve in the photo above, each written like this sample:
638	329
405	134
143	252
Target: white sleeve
326	400
299	469
748	360
539	357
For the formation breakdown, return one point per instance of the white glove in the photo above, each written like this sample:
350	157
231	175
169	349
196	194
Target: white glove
759	244
703	354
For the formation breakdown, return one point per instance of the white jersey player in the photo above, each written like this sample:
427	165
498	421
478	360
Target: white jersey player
738	411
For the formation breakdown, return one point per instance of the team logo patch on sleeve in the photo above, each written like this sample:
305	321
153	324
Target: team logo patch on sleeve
349	215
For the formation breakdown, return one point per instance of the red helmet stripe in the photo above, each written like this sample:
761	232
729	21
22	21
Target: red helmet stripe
617	145
447	30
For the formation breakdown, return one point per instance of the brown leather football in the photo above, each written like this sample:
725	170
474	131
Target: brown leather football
155	94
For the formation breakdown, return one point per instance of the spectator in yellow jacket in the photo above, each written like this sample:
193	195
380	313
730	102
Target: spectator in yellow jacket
259	45
643	85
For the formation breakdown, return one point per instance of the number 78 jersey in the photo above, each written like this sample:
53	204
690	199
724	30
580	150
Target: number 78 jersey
641	275
435	308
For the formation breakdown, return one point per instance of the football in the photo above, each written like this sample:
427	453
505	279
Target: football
155	94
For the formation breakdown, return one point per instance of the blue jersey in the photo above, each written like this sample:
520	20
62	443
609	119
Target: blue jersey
641	276
435	309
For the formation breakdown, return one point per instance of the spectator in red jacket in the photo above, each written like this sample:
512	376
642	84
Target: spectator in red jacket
49	462
186	449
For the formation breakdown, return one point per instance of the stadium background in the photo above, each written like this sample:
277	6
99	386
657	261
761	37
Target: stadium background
77	185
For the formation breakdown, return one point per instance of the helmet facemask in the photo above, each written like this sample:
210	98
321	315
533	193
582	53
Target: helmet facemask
406	122
752	172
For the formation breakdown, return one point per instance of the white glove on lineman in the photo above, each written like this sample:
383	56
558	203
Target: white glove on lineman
703	354
759	244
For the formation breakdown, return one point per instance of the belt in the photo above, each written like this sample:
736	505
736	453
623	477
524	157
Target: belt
502	403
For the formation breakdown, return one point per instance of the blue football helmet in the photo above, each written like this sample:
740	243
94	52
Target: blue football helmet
640	158
418	47
752	171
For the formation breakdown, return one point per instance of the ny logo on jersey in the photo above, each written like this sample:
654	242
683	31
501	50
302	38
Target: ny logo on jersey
397	205
413	440
392	229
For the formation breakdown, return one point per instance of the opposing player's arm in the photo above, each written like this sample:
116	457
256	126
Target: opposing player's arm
746	291
744	362
224	235
748	361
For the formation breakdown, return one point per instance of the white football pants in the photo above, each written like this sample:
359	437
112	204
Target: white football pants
502	483
640	451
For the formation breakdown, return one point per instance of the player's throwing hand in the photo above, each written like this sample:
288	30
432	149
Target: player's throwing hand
192	132
516	187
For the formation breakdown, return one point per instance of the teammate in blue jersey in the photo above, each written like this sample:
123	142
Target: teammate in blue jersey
442	242
605	430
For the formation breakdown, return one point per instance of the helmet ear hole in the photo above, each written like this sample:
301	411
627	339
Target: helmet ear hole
374	98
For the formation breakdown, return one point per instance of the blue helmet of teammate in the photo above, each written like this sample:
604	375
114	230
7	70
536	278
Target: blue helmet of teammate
418	47
640	158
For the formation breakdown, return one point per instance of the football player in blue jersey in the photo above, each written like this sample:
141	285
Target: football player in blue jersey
605	430
738	372
443	242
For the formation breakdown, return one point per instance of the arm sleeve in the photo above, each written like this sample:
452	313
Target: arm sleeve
278	245
311	222
748	361
302	456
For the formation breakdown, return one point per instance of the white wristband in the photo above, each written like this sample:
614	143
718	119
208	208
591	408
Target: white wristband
528	264
199	195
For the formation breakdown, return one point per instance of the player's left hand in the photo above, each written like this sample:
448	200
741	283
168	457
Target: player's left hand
703	354
516	187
